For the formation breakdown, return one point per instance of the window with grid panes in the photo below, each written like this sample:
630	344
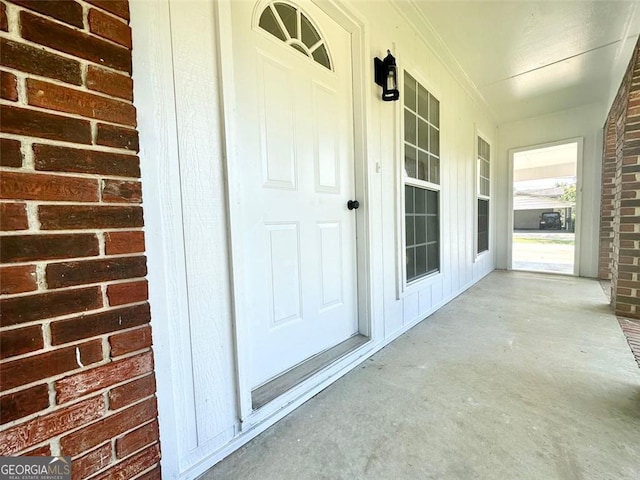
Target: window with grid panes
421	180
484	194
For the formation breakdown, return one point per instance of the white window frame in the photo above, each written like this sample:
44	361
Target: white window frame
479	196
405	287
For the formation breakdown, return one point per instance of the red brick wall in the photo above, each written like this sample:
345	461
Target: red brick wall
620	207
76	371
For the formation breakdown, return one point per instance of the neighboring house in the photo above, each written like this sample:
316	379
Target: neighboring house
527	209
249	128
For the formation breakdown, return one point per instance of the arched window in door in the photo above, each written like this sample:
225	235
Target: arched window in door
293	27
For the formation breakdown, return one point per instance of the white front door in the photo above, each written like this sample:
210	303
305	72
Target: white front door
294	124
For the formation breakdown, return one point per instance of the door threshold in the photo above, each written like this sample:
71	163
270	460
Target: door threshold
298	374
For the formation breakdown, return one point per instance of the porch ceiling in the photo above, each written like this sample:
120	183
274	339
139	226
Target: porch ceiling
531	58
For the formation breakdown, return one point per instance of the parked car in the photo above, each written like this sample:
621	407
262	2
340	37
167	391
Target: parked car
550	220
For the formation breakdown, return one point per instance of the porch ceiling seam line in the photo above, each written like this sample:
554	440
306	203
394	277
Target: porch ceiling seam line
551	63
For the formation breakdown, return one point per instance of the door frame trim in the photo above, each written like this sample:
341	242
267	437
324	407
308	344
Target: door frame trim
578	225
356	28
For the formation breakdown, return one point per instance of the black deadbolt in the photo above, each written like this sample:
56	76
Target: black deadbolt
353	204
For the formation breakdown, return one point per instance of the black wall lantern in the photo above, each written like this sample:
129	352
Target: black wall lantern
386	75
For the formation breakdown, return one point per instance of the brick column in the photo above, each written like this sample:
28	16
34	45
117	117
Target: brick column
620	206
76	368
627	300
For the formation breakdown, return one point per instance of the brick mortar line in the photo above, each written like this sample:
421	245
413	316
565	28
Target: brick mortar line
71	175
84	73
96	231
53	233
46	336
61	260
72	430
65	144
106	351
56	407
86	28
41	278
127	355
67	316
111	42
103	292
98	176
49	349
55	447
52	408
121	383
105	361
85	16
67	115
60	53
114	456
17	9
66	260
52	401
13	22
77	88
77	343
102	244
53	379
126	280
91	5
107	404
83	87
28	159
33	219
108	40
44	443
116	461
94	131
124	382
150	444
21	89
69	203
46	262
148	470
91	450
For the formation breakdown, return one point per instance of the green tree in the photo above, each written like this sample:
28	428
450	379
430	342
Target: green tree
569	194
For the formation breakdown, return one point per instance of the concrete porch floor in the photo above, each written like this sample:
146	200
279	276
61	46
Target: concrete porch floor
524	376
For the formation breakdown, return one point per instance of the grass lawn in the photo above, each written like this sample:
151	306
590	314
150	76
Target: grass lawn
544	241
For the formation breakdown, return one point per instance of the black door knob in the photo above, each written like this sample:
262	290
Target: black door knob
353	204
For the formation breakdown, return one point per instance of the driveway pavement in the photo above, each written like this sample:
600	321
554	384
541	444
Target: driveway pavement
544	251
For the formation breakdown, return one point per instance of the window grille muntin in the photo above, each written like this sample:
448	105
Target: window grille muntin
421	120
292	26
